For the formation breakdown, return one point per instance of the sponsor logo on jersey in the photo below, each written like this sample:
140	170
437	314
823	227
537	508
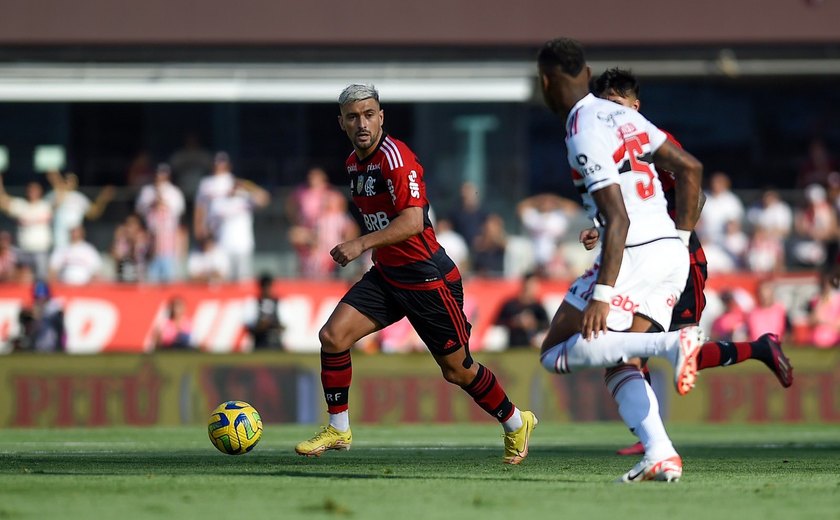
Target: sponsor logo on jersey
375	221
581	159
413	185
390	184
373	168
352	168
360	184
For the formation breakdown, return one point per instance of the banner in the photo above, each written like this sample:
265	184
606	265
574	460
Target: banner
168	389
122	318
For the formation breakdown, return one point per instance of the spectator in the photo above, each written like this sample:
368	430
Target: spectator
768	315
773	214
77	263
816	227
454	244
817	166
524	315
131	250
489	247
161	204
231	218
265	328
824	315
721	207
735	243
545	218
175	329
191	163
42	324
71	207
161	189
468	218
8	258
141	170
766	253
218	184
33	215
309	234
731	324
209	264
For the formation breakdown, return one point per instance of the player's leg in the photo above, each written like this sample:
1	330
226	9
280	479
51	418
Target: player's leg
438	317
615	348
366	308
767	348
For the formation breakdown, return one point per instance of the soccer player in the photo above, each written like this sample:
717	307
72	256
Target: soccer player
615	153
622	87
412	276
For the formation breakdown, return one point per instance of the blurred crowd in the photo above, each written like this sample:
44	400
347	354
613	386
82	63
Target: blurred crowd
192	219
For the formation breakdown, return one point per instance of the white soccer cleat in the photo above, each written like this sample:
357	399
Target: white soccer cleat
666	470
685	364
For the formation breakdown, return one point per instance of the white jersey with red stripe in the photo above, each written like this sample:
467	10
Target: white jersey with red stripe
611	144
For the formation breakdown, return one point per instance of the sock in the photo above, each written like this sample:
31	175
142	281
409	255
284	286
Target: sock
639	408
514	422
336	372
490	395
610	349
340	421
723	353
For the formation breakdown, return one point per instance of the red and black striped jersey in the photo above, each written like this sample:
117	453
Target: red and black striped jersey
383	184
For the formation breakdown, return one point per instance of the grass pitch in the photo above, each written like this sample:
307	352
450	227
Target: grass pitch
417	472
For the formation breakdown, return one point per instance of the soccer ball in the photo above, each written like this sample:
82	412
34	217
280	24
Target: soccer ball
235	427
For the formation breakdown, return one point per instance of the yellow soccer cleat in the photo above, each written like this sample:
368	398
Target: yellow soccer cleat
327	439
516	443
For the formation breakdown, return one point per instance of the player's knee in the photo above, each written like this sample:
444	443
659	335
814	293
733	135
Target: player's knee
457	374
330	341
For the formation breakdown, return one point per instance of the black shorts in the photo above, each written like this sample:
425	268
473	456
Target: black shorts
436	313
690	307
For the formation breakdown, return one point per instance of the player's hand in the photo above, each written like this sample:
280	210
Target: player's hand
346	252
589	238
594	319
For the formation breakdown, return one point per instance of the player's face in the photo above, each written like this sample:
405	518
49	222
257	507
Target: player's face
627	100
362	122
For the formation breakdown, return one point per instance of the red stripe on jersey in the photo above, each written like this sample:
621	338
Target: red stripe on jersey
576	176
620	153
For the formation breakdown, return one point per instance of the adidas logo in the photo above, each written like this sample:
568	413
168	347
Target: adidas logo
449	344
686	313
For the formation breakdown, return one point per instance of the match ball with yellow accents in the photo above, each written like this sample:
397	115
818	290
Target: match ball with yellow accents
235	427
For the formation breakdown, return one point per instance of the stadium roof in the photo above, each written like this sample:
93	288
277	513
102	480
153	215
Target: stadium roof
503	81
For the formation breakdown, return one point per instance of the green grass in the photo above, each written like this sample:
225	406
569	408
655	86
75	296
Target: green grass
417	472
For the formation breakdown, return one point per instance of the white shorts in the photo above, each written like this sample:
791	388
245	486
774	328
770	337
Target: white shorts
650	281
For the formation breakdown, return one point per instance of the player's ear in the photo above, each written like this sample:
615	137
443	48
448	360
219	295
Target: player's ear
637	105
341	122
381	116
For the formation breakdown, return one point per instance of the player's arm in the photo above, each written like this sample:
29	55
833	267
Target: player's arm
689	174
611	206
406	224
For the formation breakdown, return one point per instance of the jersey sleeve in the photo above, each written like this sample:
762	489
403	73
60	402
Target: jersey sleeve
404	177
590	155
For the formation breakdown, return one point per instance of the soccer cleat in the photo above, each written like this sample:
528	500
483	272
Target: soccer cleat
516	442
685	366
327	439
666	470
636	449
780	363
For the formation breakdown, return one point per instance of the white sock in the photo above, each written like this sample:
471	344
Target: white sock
514	422
340	421
639	408
609	349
